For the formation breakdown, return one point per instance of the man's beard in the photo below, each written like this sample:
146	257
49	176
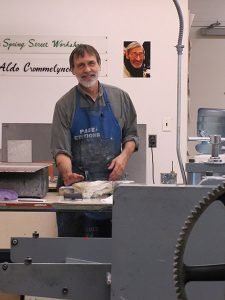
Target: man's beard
88	83
134	72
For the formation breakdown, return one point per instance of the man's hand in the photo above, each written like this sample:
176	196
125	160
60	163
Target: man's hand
71	178
118	164
64	166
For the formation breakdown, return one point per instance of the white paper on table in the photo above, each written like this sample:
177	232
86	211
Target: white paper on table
108	200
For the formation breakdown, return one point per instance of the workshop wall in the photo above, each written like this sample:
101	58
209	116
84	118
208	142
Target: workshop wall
207	61
32	99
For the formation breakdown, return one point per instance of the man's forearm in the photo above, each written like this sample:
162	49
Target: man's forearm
129	148
64	164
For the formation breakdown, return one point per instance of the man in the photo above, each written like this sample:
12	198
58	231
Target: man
94	133
134	60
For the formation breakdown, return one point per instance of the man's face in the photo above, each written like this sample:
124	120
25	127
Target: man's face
136	57
86	69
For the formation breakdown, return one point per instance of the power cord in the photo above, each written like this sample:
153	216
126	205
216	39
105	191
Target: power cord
153	167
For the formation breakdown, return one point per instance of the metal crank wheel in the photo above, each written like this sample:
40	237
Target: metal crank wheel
183	273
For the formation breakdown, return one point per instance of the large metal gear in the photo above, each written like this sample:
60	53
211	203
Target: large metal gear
183	273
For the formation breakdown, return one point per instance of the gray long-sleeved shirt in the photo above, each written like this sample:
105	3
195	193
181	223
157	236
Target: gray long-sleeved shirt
122	108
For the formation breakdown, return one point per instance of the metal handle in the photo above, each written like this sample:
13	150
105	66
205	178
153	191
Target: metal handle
204	138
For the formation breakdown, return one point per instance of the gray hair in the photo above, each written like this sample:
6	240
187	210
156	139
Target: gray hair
133	45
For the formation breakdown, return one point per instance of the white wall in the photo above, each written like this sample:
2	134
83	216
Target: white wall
32	99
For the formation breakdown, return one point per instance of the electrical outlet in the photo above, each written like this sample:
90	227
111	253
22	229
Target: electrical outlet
152	140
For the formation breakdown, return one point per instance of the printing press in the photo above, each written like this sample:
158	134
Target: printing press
151	244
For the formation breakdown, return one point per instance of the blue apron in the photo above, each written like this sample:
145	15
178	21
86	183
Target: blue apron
96	139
